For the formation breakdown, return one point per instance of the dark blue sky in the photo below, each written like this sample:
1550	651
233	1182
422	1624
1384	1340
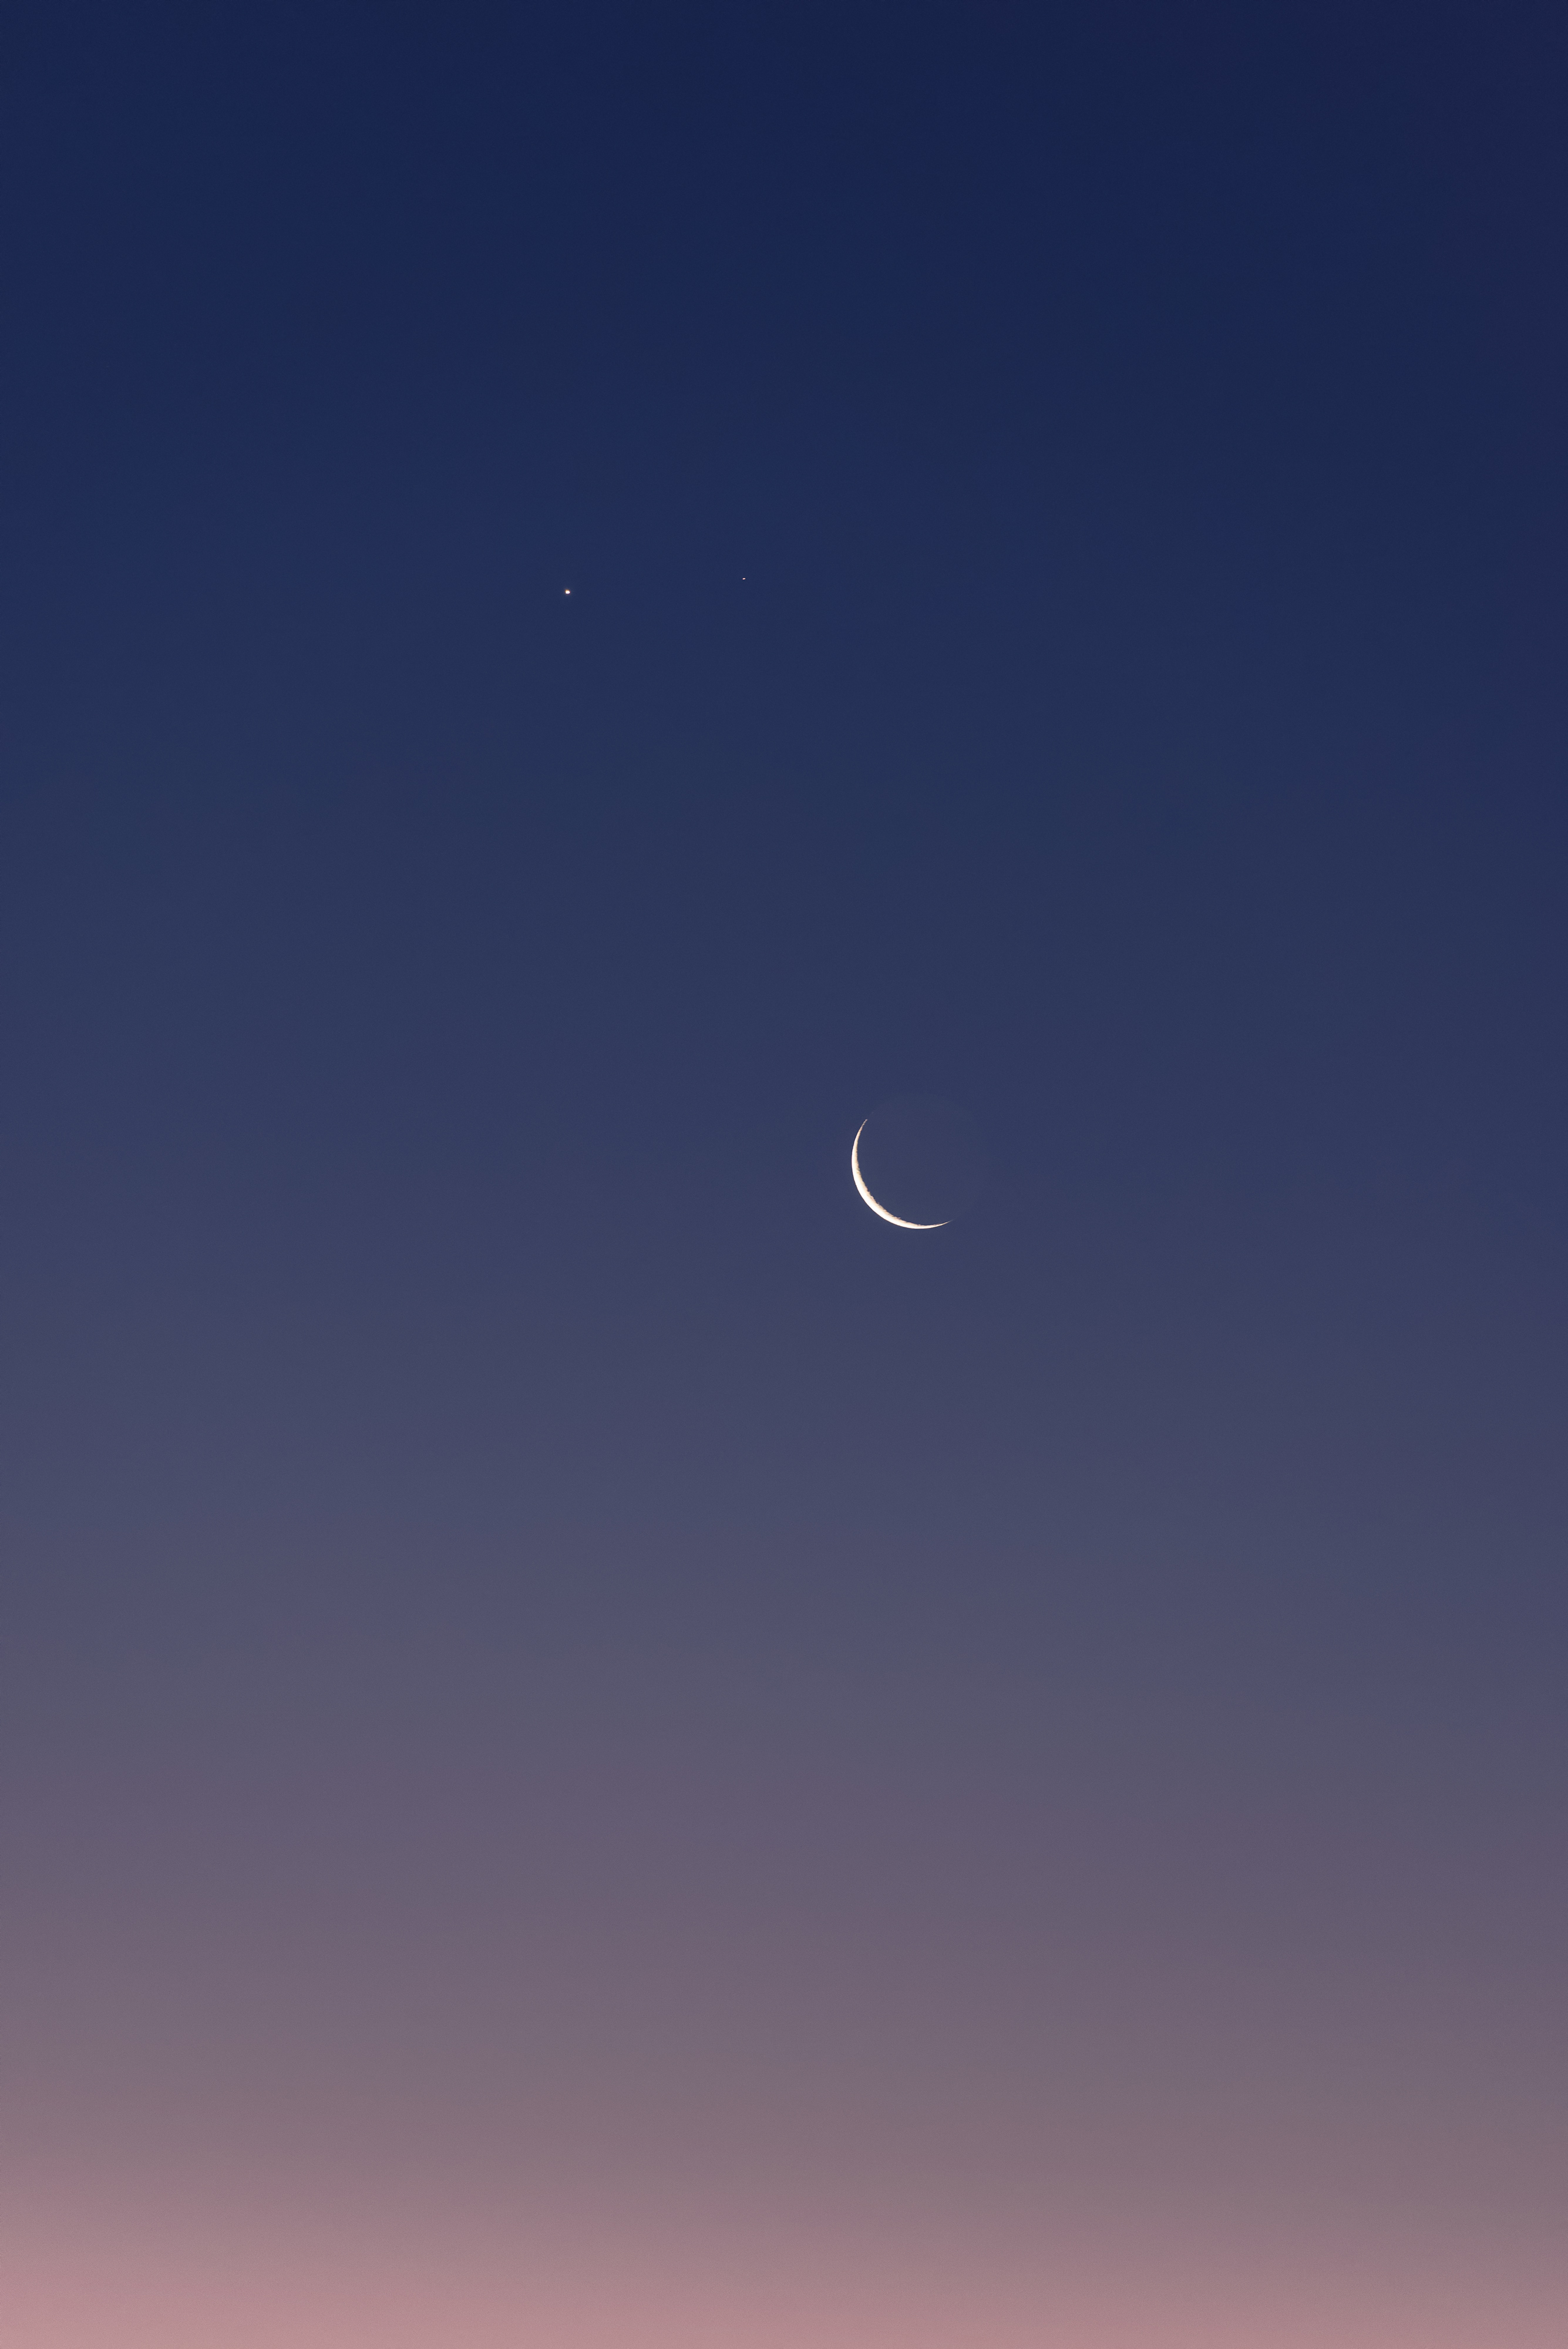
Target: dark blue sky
1066	519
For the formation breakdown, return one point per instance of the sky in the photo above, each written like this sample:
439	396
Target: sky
599	1749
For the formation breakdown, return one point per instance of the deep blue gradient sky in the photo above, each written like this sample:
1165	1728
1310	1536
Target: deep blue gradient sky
521	1596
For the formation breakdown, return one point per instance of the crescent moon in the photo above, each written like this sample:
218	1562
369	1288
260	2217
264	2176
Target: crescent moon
875	1204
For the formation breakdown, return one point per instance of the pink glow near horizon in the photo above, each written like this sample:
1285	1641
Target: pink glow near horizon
190	2274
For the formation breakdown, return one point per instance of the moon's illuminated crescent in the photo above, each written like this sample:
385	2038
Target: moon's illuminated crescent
876	1207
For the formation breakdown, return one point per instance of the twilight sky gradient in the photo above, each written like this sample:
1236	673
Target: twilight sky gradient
598	1751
